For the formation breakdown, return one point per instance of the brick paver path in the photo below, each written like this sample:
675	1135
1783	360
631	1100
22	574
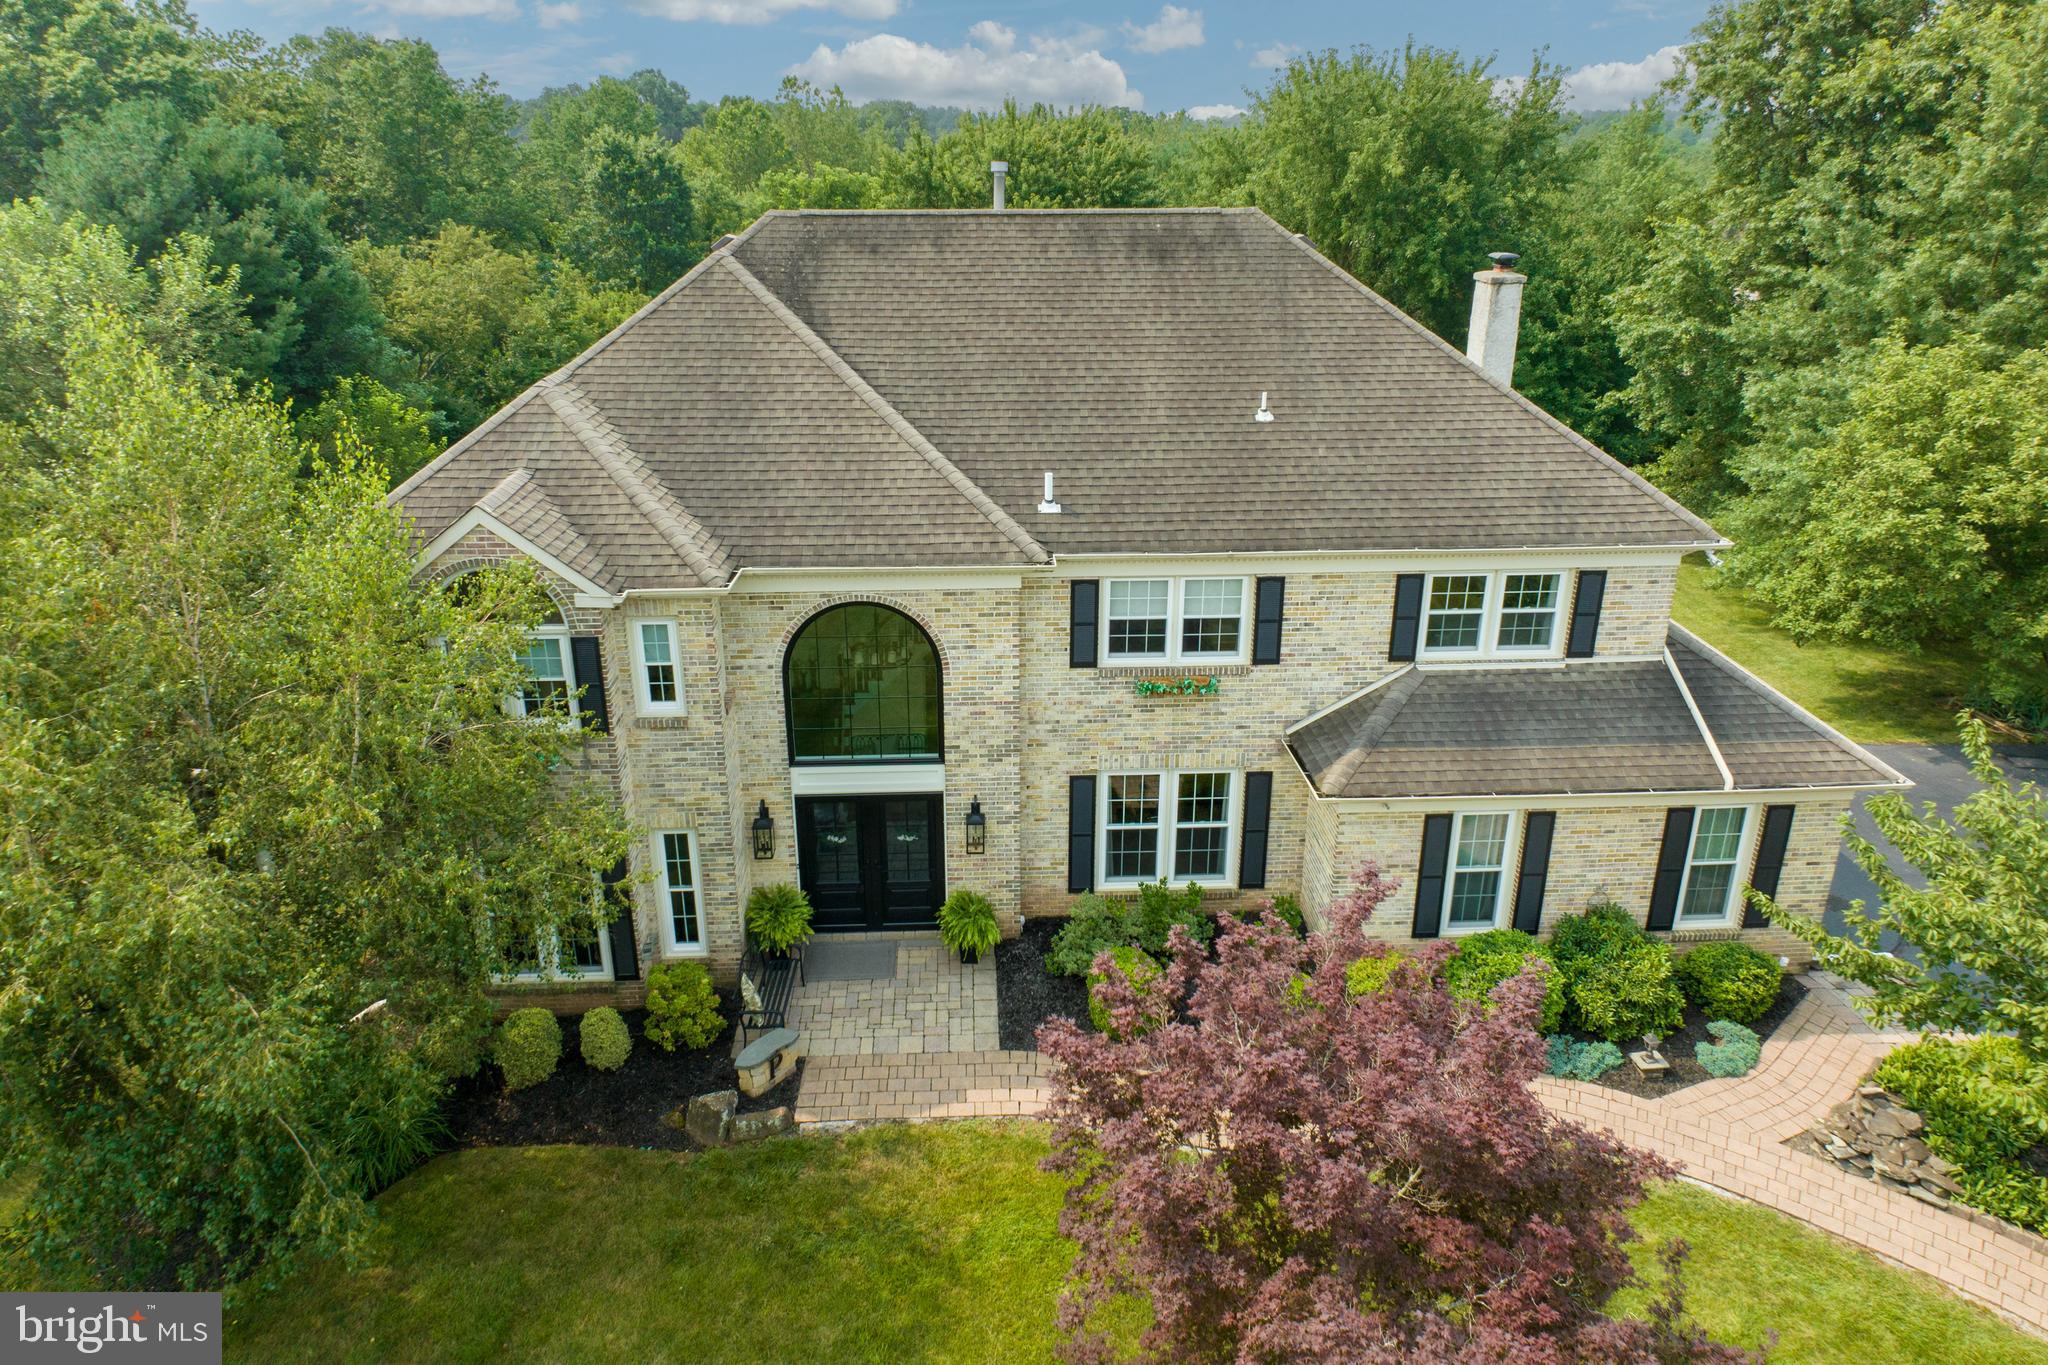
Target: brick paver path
934	1005
946	1085
1731	1133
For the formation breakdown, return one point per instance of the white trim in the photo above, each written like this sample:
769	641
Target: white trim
1168	825
857	580
603	971
516	703
478	519
1700	723
672	946
1225	563
1510	849
867	779
642	694
1176	602
1591	800
1740	867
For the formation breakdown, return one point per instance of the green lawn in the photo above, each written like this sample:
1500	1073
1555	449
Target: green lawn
928	1243
1870	694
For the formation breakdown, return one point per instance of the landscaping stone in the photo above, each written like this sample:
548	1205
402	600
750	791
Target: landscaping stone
754	1127
709	1118
1872	1135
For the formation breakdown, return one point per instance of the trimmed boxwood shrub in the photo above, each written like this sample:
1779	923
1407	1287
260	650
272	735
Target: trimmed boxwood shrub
1625	996
1566	1056
1141	970
603	1039
1485	960
967	923
528	1045
779	917
1734	1051
1729	981
682	1008
1095	924
1953	1086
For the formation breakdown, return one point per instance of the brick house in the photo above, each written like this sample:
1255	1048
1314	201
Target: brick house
1046	552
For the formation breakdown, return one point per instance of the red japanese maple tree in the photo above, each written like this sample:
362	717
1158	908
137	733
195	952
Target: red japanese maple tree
1290	1173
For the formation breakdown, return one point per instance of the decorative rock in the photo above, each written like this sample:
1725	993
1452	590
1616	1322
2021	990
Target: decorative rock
1885	1123
709	1118
754	1127
1927	1196
1869	1092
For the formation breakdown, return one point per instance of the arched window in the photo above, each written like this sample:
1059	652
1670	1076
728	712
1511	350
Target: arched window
862	686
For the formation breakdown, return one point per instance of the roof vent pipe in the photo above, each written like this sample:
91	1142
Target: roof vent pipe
1264	414
1000	170
1045	504
1496	317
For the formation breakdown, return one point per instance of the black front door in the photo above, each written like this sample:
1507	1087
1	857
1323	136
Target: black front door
871	862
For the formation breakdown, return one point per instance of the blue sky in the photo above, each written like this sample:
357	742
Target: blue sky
1195	56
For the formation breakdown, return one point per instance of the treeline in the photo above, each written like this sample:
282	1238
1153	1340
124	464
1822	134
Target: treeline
1817	325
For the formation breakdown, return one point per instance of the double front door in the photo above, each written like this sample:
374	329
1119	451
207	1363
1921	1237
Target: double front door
871	862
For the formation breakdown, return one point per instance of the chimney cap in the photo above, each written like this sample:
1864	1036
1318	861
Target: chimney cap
1503	260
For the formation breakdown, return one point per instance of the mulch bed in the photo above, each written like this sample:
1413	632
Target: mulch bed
622	1108
1026	994
1678	1048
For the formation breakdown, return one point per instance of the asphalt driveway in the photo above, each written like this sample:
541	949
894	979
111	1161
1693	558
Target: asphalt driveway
1941	775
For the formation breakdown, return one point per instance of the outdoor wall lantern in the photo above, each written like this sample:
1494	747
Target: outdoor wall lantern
977	828
764	834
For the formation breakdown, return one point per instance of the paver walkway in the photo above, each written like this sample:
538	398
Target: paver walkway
1731	1133
933	1005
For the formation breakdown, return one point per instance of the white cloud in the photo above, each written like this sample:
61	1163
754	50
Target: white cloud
1174	28
1614	85
979	74
451	9
761	11
555	16
1209	112
1275	55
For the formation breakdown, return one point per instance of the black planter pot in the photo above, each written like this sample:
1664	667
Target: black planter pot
969	956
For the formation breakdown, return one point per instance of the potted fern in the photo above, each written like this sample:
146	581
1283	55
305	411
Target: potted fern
967	923
778	918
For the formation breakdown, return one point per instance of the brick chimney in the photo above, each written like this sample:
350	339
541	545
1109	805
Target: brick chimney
1496	317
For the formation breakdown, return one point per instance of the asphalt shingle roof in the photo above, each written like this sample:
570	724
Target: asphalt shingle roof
888	389
1587	727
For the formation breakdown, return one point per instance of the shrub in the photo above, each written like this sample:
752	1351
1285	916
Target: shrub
681	1006
1966	1092
1627	995
779	917
967	923
1485	960
1603	932
1093	926
1733	1052
1729	981
1286	907
1142	971
1160	907
1371	973
603	1039
528	1045
1568	1057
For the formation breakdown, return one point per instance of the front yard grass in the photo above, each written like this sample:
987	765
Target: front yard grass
1870	694
928	1243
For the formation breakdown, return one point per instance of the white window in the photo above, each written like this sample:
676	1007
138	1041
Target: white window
580	948
658	670
1172	824
1166	620
682	925
1486	615
550	683
1708	893
1473	891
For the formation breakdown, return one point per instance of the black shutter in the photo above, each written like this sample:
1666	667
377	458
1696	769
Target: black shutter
1258	806
1272	592
1429	885
1536	831
1670	867
625	952
1081	832
1081	620
1592	590
1770	861
589	665
1407	615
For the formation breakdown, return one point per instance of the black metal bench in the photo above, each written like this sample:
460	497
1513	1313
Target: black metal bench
775	981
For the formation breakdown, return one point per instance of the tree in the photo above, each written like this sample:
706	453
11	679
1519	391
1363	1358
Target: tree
633	223
62	61
737	142
56	275
364	415
1083	158
1289	1173
146	172
266	829
1980	923
554	154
